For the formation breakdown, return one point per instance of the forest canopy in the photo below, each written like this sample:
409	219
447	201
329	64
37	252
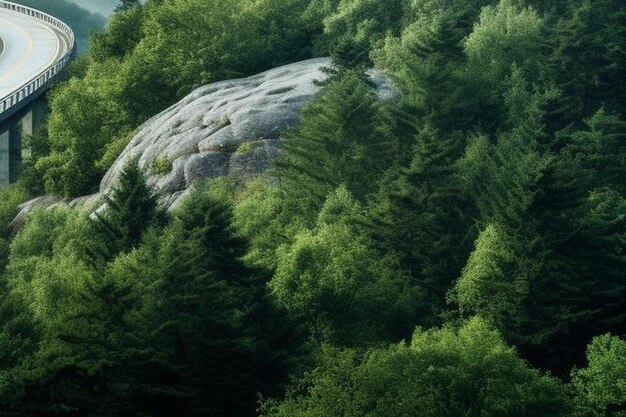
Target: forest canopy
457	252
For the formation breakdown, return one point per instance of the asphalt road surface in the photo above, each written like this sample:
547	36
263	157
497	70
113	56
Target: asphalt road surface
29	47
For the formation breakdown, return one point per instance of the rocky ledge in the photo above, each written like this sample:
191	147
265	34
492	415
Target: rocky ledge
228	127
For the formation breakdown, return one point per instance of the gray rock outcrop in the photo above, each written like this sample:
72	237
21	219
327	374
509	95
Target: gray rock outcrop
228	127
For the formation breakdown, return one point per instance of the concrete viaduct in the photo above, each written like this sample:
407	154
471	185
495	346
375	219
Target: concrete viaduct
34	48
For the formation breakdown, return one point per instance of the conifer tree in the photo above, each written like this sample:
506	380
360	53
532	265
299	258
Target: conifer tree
426	57
420	216
356	25
561	226
589	60
342	139
203	332
130	208
19	337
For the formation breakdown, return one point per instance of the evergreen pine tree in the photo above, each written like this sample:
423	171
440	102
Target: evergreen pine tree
426	58
421	216
342	139
562	228
589	60
204	330
129	209
580	213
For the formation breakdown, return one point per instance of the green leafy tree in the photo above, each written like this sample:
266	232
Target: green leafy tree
259	216
355	26
601	386
123	33
506	47
505	34
443	372
333	279
93	113
11	198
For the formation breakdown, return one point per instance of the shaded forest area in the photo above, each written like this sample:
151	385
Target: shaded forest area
459	252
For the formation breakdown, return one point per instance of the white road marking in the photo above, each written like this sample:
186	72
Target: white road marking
30	46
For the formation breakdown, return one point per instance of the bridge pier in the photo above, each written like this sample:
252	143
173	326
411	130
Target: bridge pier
12	134
8	135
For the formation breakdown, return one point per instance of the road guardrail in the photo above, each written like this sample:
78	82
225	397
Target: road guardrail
20	97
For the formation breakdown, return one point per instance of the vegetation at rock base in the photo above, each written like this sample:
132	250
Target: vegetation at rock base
460	250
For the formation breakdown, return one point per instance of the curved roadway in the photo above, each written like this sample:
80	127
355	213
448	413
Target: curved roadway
30	46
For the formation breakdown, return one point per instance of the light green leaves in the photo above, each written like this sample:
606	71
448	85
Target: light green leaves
602	384
505	34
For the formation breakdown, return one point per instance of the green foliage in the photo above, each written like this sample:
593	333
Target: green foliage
197	298
148	58
46	257
257	36
443	372
129	209
504	35
588	48
343	139
10	197
123	33
505	53
599	150
355	25
601	386
508	134
93	114
333	279
492	284
426	57
419	216
540	205
38	147
346	137
259	216
176	326
161	165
